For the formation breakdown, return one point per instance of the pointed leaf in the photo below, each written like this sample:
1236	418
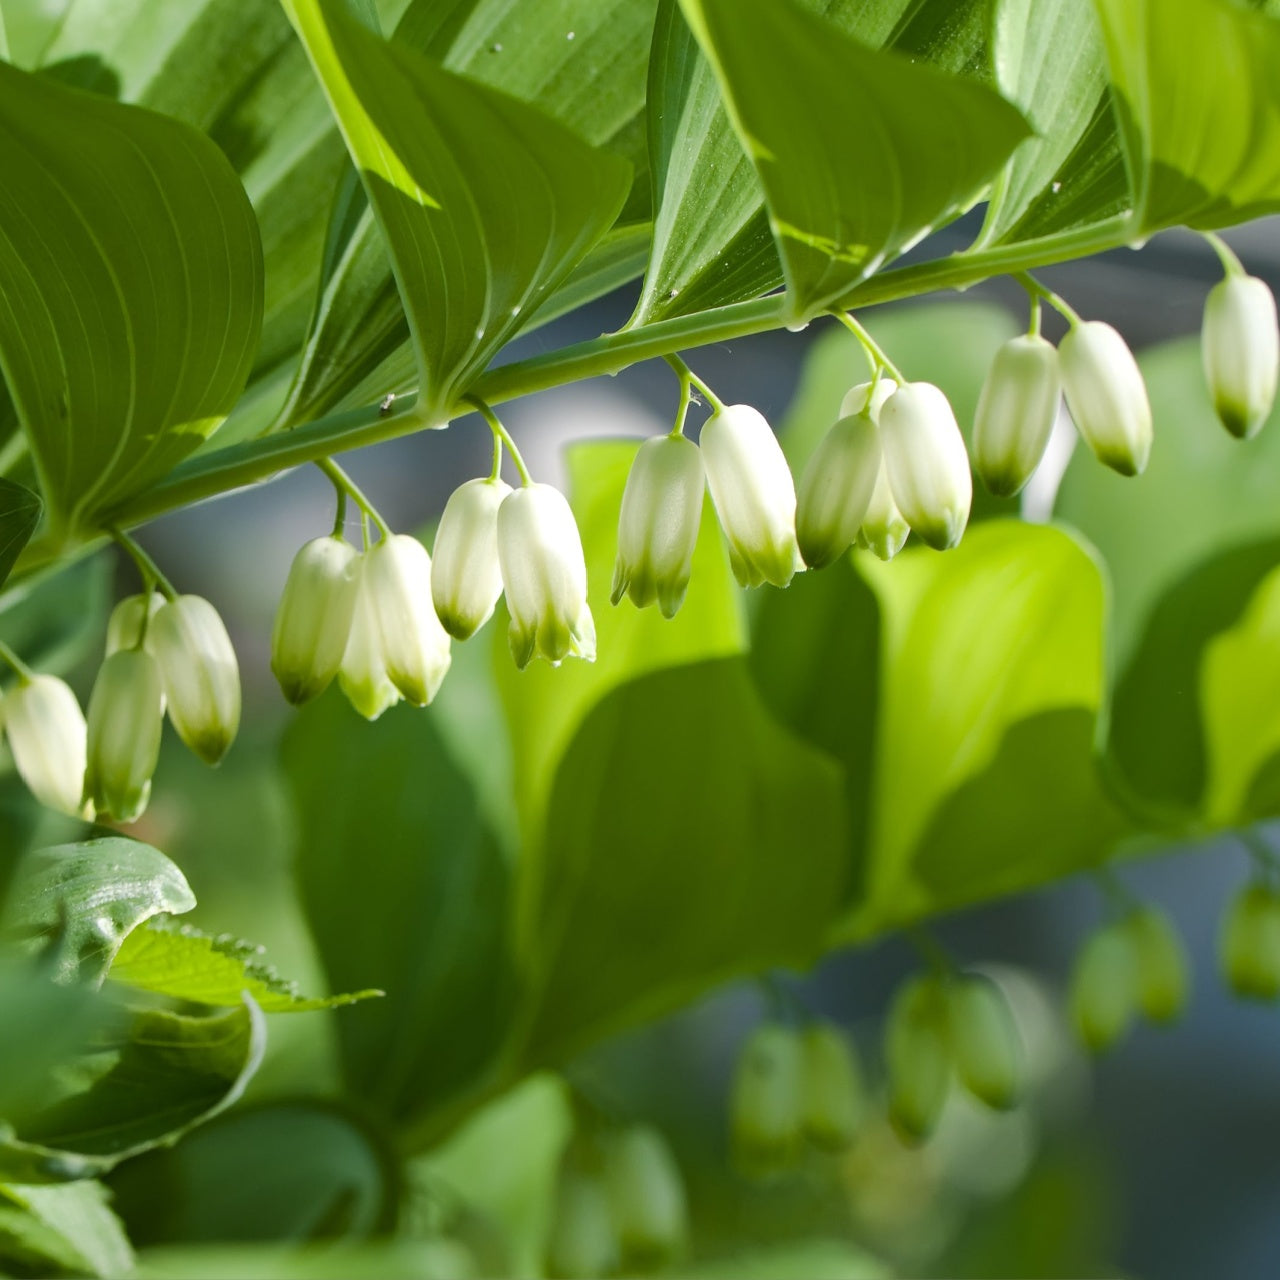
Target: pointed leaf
842	197
130	290
19	514
1197	86
483	201
67	1228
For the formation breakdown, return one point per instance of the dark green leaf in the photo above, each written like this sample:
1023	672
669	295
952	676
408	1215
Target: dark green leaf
70	1228
19	514
1197	86
681	814
148	1081
183	963
403	888
56	620
76	903
432	1259
131	274
843	200
289	1171
482	200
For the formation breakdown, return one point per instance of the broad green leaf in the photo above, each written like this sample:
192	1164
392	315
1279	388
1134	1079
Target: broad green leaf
1003	631
19	514
146	1081
1239	684
1185	548
831	1259
545	706
1050	63
1198	97
57	620
404	888
71	1228
842	200
131	279
185	964
483	201
592	83
76	903
286	1171
683	813
712	243
430	1259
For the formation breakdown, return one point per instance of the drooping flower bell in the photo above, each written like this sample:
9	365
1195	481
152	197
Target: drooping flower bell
658	524
47	736
1240	345
363	674
646	1197
917	1055
754	495
125	719
200	674
396	580
1161	970
1107	396
313	622
1103	995
883	531
985	1041
583	1241
544	575
833	1099
926	462
125	624
840	478
766	1107
466	578
1016	412
1250	944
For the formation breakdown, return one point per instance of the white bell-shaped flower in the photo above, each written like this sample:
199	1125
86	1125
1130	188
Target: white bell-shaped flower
1016	412
646	1196
363	674
1107	396
754	495
396	577
836	488
1240	344
884	532
46	732
124	626
926	462
313	621
544	574
200	673
466	578
125	719
658	524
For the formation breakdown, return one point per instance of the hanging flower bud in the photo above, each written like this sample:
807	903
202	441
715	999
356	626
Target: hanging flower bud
466	578
46	733
917	1057
646	1197
1016	412
658	524
883	531
1250	947
125	719
1104	987
544	574
363	674
583	1241
124	626
314	619
766	1106
926	462
201	677
1240	344
833	1098
985	1041
1107	396
754	495
396	577
836	488
1161	971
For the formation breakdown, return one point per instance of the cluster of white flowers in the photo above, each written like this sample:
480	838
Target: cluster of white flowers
162	655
